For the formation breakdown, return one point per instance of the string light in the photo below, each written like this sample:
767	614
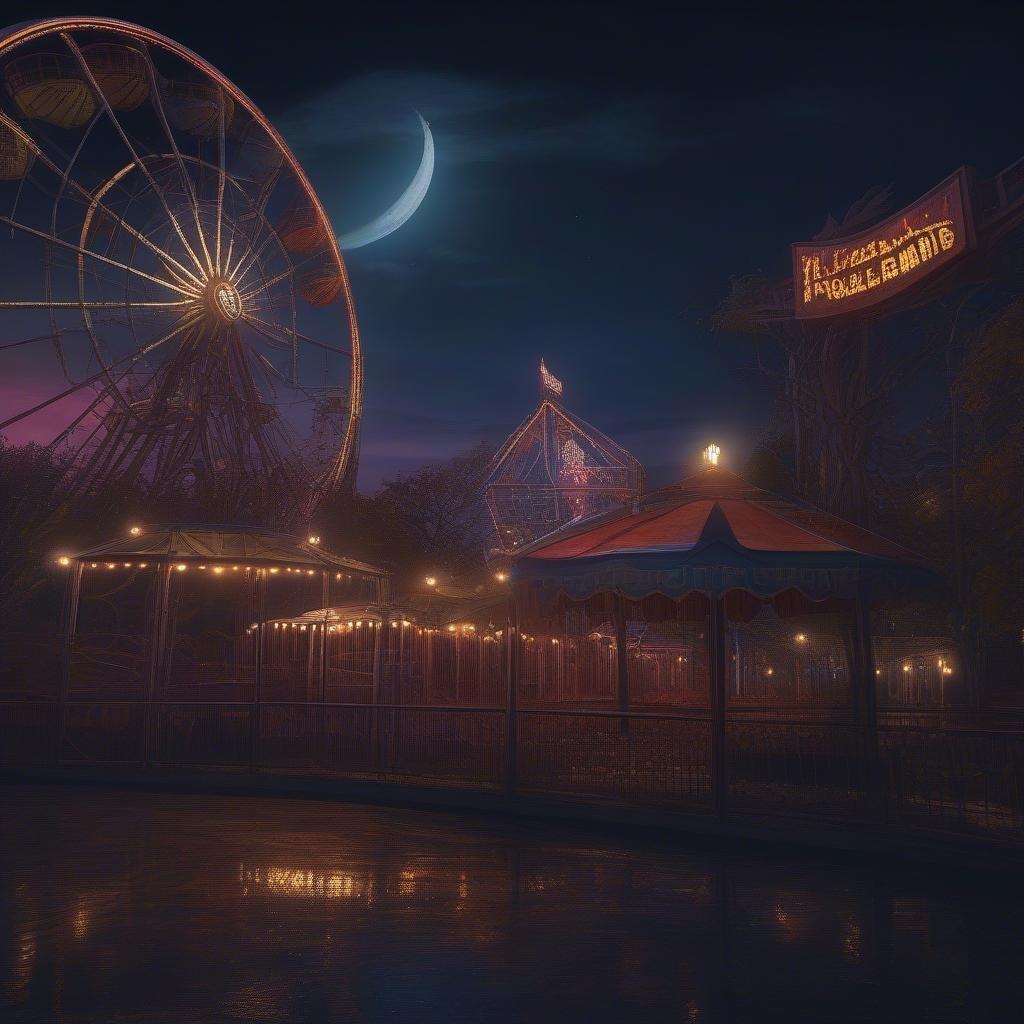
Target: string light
64	560
181	567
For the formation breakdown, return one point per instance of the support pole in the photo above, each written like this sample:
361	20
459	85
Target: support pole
622	663
262	636
157	656
513	644
378	658
866	696
72	596
716	644
325	597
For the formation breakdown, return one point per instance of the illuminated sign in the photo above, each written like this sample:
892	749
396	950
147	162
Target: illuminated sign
847	274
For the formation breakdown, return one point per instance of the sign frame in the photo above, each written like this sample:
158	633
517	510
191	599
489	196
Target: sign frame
840	276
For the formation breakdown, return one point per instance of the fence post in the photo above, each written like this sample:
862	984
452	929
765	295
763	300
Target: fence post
512	651
716	641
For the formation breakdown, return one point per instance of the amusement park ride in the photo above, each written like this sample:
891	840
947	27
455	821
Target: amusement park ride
166	251
555	469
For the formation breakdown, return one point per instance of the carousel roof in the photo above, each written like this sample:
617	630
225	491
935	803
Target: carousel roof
224	543
716	507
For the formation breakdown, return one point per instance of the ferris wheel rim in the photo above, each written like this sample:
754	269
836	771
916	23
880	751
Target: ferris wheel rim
14	36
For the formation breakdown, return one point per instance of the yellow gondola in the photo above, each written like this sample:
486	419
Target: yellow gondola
195	107
321	280
301	229
50	88
257	156
14	154
120	73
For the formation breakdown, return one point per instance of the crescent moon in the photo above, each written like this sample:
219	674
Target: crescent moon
405	206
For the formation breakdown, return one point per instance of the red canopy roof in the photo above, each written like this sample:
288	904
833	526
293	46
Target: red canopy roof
716	505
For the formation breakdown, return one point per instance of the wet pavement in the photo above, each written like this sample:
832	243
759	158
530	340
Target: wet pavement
120	906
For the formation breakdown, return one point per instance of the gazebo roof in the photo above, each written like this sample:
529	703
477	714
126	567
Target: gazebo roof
202	543
713	521
717	506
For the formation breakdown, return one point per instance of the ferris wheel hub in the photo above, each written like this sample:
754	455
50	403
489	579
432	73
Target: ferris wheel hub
224	300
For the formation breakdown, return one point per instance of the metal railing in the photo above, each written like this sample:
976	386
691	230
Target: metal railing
956	778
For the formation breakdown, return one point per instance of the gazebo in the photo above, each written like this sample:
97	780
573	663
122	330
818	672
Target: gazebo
747	615
169	647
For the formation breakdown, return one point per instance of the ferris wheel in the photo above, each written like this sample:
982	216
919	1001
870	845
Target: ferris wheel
172	293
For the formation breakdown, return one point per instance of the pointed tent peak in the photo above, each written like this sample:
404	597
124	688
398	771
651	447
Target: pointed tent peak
715	507
550	385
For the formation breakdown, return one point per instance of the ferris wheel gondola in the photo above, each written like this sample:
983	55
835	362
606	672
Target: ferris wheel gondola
168	260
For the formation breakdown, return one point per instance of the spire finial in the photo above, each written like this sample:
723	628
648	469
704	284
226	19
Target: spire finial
711	455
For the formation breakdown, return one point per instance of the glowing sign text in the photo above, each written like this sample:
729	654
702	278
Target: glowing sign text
834	277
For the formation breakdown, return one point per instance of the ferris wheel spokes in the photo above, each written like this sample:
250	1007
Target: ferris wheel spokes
87	72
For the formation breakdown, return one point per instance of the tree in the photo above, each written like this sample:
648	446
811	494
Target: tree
440	513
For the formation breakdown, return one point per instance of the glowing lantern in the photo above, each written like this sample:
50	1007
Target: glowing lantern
711	455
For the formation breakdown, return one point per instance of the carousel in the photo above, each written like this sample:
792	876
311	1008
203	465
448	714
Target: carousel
751	641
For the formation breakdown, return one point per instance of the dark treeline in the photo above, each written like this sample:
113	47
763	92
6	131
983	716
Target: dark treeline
912	425
433	520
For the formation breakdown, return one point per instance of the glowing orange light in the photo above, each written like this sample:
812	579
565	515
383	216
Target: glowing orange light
136	531
181	567
63	560
712	454
431	581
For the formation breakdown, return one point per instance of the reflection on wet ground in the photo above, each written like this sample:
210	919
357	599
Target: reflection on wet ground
120	906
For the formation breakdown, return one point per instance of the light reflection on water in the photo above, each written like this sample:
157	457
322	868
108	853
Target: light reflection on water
126	906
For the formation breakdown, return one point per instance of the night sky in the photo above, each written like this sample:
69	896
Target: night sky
601	172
